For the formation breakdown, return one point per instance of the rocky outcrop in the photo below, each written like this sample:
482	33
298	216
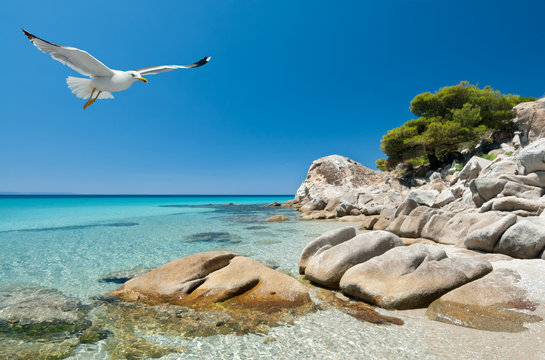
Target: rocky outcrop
410	276
328	266
530	120
487	237
495	303
211	277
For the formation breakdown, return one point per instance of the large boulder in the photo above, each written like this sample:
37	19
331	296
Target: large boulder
458	226
525	239
333	176
410	276
494	302
532	157
324	242
472	168
414	222
211	277
424	197
487	237
530	119
327	267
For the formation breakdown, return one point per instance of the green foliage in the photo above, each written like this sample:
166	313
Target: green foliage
508	153
382	164
450	119
488	156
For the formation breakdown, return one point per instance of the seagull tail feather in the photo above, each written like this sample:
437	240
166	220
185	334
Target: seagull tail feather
83	88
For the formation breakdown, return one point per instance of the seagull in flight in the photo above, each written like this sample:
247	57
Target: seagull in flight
103	80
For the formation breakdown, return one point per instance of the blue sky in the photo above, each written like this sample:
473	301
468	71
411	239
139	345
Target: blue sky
289	82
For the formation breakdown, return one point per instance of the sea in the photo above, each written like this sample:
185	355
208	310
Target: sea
72	243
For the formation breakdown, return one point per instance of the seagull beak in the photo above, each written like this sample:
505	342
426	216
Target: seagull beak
142	79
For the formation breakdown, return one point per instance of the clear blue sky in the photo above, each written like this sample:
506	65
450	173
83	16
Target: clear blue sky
289	81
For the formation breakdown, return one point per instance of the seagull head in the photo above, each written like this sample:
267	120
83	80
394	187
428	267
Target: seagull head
136	76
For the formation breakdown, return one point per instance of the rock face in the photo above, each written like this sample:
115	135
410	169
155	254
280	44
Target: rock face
530	119
324	242
332	176
410	277
277	218
532	157
212	277
327	267
492	303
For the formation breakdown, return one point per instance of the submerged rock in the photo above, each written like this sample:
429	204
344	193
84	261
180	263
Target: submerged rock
493	303
220	237
410	277
122	276
277	218
215	277
39	323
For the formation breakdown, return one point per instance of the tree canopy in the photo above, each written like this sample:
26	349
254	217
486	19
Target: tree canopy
453	118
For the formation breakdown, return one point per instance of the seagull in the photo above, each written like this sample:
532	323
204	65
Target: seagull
102	80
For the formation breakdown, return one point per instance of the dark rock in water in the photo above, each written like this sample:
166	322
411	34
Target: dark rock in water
122	276
39	323
274	204
120	224
220	237
256	227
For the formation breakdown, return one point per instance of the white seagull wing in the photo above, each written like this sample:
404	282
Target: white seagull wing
77	59
152	70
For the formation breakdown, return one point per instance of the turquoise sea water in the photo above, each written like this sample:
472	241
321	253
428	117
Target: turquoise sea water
69	242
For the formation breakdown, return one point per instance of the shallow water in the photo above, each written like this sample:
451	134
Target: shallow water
69	243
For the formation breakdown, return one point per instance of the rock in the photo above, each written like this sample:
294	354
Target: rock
327	267
122	276
314	215
410	276
530	119
424	197
458	226
487	237
388	212
500	166
532	157
435	226
324	241
277	218
211	277
352	218
525	239
472	168
369	222
406	207
414	222
372	209
382	223
313	205
395	225
494	302
274	204
512	203
512	188
333	176
444	198
488	188
213	236
289	203
533	179
28	306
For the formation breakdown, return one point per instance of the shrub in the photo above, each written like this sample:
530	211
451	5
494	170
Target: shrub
453	118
